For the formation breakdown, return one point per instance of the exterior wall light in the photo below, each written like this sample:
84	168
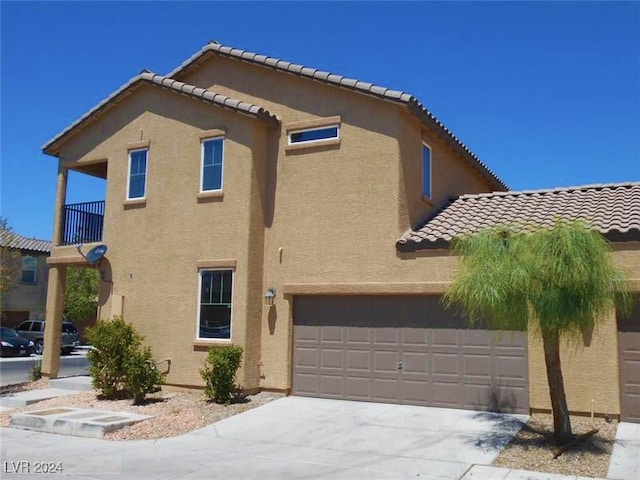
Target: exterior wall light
269	296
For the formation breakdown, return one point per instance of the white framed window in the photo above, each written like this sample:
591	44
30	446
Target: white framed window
29	270
211	165
137	175
311	135
426	170
215	304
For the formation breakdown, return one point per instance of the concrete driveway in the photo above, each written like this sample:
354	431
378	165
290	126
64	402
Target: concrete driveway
290	438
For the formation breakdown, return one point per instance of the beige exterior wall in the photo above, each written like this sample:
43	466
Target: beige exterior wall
155	247
339	209
322	219
589	364
29	298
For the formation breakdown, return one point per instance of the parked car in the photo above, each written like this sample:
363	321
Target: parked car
13	344
34	330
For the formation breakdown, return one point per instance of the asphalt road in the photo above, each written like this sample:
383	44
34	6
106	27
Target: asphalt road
16	370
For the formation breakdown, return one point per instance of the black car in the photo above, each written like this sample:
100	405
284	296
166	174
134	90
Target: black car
13	344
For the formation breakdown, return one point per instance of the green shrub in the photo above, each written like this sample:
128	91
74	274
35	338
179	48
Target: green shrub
119	366
142	375
36	371
219	373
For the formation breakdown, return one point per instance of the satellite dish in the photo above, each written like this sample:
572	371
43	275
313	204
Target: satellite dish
95	254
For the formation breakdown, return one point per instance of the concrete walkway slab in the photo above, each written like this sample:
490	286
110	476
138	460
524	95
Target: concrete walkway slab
79	422
625	458
77	383
22	399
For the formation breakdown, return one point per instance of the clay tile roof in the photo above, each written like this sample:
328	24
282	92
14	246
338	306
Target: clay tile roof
13	240
172	85
383	93
612	209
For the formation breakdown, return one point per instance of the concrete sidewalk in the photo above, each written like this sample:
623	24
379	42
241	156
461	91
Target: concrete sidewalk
300	438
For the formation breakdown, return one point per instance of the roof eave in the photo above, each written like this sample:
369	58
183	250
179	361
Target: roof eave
51	147
365	88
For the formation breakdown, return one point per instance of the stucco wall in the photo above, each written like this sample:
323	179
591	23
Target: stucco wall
155	247
590	367
338	210
314	215
313	220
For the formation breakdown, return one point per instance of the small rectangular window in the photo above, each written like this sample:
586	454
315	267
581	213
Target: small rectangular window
214	309
426	170
314	134
137	174
212	163
28	274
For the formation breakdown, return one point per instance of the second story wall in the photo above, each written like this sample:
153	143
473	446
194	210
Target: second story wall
341	207
157	243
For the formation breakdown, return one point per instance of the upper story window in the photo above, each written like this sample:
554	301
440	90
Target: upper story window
137	181
214	308
314	134
426	170
28	273
212	162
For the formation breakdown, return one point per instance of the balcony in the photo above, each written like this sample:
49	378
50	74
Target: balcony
82	223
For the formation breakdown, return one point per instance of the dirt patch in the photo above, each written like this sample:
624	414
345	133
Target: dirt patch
174	413
25	386
533	447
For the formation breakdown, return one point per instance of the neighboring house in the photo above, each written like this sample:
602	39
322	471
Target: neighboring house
27	298
239	180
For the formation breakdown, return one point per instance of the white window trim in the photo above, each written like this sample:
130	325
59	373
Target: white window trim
424	144
218	137
146	174
199	292
311	142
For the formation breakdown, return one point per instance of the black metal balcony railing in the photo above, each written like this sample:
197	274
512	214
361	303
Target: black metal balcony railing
82	222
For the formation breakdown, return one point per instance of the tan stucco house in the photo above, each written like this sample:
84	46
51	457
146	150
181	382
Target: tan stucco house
238	180
26	297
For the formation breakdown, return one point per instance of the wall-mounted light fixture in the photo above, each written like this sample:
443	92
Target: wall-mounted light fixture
269	296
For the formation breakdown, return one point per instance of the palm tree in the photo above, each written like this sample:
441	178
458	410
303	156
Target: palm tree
560	279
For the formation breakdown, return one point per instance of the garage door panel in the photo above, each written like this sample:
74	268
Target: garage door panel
446	394
307	383
332	358
385	362
415	363
359	360
418	337
404	350
306	333
445	338
358	335
358	388
386	389
508	368
477	366
415	392
482	339
446	364
307	357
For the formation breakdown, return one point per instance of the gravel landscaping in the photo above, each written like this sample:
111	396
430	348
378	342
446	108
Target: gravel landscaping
533	448
174	413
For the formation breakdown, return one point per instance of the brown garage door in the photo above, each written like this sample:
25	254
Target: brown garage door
404	349
629	348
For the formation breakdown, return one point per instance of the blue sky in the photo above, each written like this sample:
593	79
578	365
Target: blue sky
546	93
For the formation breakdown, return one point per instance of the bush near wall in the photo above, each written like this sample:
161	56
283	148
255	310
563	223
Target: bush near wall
219	373
120	367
